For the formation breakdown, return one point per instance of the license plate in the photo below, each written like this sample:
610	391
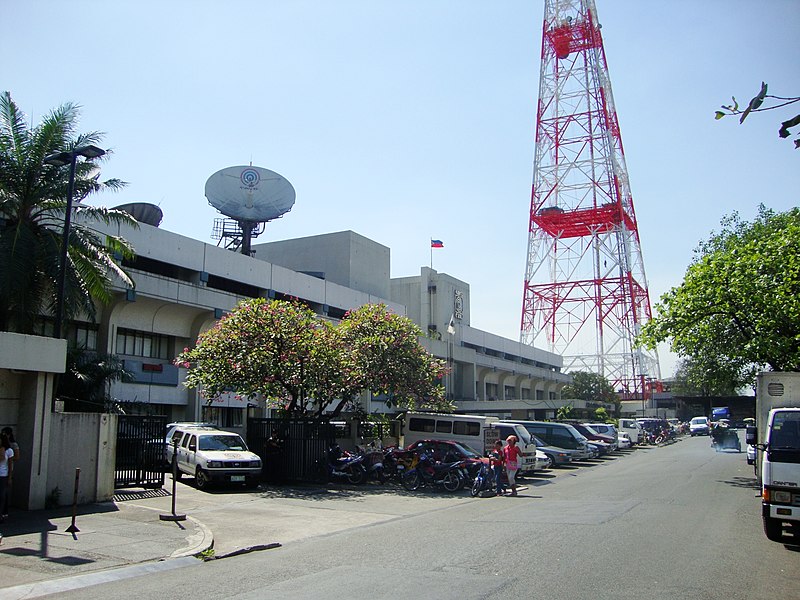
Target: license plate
237	478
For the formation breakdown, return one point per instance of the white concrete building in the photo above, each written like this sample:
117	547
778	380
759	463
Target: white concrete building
183	286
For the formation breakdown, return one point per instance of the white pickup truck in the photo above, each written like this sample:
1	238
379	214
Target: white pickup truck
776	438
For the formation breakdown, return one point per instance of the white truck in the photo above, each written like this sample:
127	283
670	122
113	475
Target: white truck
776	437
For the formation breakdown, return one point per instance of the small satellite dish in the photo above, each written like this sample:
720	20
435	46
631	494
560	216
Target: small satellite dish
144	212
250	194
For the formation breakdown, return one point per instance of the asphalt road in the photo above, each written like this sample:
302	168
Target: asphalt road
680	521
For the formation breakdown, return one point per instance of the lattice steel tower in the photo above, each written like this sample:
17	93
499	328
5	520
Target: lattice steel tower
585	294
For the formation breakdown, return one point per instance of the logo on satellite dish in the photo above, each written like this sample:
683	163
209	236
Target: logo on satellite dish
250	178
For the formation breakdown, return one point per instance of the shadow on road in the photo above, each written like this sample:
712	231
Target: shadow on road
743	482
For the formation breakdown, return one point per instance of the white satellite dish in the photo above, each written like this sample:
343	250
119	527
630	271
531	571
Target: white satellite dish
251	196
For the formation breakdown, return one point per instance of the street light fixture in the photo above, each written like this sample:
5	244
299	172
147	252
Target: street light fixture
60	159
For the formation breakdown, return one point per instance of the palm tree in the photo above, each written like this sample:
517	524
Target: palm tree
32	205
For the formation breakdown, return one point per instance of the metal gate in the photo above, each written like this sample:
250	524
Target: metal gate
289	448
140	457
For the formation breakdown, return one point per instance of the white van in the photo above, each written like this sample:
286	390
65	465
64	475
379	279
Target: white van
632	427
472	431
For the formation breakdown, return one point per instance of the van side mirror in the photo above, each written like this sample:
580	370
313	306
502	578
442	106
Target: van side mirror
751	435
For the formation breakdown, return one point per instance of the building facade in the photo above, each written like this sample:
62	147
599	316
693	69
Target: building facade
183	286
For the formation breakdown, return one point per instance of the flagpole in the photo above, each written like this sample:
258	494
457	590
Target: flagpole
431	254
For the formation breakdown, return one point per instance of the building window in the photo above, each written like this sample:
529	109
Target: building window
83	336
491	391
223	416
147	345
509	391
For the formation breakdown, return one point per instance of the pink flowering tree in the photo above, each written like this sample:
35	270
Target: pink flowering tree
306	365
389	360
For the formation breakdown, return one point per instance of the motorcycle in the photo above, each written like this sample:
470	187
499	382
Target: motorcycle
428	473
373	463
343	465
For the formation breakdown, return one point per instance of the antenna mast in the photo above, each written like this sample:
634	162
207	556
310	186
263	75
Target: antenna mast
585	295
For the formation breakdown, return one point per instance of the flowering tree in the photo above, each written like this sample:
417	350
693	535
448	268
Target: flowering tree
388	359
303	364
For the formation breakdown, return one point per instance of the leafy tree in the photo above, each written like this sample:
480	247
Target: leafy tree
306	365
756	104
590	387
564	412
707	376
86	384
32	204
389	360
601	414
739	303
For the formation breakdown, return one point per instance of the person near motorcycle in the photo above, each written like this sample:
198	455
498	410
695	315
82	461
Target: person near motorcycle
496	461
512	455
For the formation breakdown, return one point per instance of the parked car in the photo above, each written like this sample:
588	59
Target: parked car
560	435
699	426
751	454
623	441
212	456
558	456
171	438
590	434
604	429
542	461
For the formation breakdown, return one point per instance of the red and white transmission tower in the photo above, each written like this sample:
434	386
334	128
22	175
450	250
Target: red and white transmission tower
585	295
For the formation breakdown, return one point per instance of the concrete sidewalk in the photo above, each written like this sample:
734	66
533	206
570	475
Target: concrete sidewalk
220	522
36	545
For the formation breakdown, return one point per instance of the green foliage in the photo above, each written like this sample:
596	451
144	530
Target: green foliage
32	203
601	414
738	308
756	105
305	365
590	387
707	376
564	412
86	384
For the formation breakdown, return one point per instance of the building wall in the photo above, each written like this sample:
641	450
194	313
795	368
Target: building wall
344	257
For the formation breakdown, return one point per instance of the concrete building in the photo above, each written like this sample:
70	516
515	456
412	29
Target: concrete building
184	285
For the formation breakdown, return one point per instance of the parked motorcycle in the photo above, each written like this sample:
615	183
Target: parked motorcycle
373	463
428	473
343	465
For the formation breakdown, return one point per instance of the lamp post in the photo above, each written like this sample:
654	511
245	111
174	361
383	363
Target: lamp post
60	159
644	396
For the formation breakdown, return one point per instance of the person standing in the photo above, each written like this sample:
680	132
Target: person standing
512	455
496	461
6	457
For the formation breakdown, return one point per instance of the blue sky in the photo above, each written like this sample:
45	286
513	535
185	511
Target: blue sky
415	119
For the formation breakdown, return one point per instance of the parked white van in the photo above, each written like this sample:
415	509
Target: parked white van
632	427
470	430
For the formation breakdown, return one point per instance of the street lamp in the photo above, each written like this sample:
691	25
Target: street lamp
60	159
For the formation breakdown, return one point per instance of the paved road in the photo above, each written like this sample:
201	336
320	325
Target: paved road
675	522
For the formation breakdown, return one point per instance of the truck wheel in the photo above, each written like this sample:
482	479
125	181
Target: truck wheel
773	529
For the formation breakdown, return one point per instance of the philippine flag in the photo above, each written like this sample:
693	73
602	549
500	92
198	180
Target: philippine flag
437	244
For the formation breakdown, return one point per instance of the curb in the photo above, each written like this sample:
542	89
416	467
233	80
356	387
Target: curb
199	542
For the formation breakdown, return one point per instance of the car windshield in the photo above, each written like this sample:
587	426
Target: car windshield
699	421
221	442
538	441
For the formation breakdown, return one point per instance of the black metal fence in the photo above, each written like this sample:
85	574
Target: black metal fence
289	448
140	454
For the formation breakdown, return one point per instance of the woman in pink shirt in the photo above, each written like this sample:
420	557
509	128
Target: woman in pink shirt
512	454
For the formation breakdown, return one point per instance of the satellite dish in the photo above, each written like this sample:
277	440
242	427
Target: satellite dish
250	194
144	212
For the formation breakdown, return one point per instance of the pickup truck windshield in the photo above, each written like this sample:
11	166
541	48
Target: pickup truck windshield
221	442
